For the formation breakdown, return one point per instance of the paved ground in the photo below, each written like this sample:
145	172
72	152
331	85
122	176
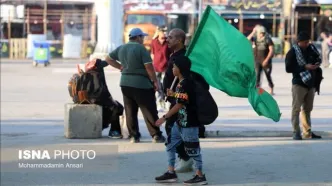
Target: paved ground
227	161
33	95
32	109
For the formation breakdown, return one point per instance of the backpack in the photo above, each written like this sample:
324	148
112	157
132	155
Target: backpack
206	109
86	87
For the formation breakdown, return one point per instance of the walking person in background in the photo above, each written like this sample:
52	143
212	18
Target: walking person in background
138	85
263	51
325	49
324	28
329	52
303	61
160	54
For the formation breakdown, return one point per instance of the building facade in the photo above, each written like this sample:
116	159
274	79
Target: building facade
53	18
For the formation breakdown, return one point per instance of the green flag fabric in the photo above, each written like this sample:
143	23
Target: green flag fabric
224	57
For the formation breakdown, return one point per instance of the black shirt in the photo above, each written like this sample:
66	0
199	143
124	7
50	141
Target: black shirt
169	77
185	94
100	68
292	66
106	97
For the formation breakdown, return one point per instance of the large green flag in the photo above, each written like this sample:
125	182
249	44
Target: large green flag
224	57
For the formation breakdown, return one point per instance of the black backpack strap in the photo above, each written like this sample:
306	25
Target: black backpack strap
267	39
200	79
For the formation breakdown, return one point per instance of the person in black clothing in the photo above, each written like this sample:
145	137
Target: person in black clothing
303	61
176	40
263	51
112	109
185	130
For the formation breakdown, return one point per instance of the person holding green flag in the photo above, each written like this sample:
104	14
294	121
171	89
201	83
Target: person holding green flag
224	57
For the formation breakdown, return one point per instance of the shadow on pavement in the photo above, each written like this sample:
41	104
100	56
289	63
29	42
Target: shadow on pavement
232	163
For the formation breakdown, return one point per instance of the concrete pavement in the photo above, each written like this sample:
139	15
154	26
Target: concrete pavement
227	161
30	94
32	110
52	60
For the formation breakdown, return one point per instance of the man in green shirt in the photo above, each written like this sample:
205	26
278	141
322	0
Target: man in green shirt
138	84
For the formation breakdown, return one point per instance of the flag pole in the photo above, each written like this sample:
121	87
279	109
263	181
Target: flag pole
173	83
172	86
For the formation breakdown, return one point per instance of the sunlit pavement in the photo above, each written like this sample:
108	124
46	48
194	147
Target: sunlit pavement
32	110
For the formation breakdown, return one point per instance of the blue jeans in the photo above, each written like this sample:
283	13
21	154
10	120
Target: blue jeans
189	136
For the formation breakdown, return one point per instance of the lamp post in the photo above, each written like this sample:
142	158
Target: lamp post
200	9
292	23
